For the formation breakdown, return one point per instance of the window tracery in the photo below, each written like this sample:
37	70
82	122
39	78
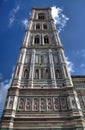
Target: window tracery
37	39
38	26
41	16
45	26
26	73
46	39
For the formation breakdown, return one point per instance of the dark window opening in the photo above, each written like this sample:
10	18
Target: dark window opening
38	26
41	16
37	40
46	39
26	73
45	26
37	74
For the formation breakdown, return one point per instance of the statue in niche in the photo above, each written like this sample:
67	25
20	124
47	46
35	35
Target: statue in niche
10	104
26	73
57	73
47	73
37	74
73	103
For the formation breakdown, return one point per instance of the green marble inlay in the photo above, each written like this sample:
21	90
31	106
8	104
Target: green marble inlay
6	129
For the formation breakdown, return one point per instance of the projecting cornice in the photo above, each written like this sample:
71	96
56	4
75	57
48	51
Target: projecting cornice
42	47
78	76
41	8
78	79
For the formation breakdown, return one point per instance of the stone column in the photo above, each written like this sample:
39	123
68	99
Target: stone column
63	65
14	109
31	75
52	71
21	67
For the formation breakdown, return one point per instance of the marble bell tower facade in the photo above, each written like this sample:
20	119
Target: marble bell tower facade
42	95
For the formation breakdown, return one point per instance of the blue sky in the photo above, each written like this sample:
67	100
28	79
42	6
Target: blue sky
13	19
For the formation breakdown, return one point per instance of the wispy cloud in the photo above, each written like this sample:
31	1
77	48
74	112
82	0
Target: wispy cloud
3	92
13	14
25	22
80	53
82	65
59	18
70	65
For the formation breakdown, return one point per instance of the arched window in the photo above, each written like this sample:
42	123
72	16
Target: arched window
41	16
37	74
44	26
46	39
38	26
37	39
26	73
57	73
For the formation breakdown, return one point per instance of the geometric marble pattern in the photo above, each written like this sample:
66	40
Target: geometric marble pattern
50	104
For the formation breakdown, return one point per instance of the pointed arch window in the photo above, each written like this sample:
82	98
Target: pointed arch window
45	26
37	39
41	16
46	39
38	26
26	73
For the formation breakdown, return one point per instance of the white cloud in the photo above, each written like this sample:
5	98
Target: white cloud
25	22
3	92
70	65
11	19
59	18
82	65
13	14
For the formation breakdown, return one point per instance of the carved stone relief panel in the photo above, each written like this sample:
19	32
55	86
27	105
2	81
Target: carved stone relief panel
10	102
21	103
71	102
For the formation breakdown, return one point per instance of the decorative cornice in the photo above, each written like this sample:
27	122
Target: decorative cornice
43	20
42	47
41	8
78	76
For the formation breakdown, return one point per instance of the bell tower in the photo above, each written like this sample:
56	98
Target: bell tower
42	95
